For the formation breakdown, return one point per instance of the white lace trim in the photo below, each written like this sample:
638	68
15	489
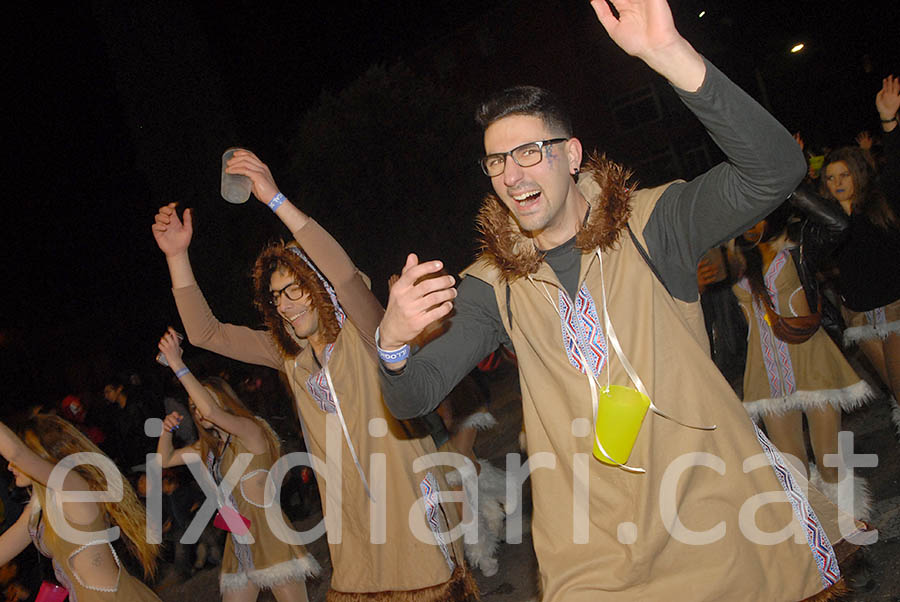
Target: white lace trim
265	493
91	587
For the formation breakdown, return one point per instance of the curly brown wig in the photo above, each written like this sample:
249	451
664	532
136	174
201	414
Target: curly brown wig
278	256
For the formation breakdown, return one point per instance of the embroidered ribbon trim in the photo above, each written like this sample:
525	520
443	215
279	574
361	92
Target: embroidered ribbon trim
775	352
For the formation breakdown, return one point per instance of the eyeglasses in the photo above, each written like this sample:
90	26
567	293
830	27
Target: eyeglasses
525	155
291	290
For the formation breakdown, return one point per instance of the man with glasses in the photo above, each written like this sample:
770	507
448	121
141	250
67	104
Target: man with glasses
592	282
385	520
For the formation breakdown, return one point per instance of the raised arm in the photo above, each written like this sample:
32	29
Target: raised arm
203	328
170	456
246	429
354	295
17	453
887	102
645	29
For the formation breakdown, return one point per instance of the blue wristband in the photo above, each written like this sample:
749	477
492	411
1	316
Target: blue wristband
182	372
276	201
393	356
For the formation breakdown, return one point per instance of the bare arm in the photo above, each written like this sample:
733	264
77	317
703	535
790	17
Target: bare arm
246	429
16	538
168	454
37	468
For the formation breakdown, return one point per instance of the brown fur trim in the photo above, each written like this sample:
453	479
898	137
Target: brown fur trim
611	209
503	243
513	252
275	256
835	592
460	588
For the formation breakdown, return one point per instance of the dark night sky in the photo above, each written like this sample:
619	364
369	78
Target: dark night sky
82	271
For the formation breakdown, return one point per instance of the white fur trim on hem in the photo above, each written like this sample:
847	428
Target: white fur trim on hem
481	421
847	399
297	569
482	552
855	334
862	499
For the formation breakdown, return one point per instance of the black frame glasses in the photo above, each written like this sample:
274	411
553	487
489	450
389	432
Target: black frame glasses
523	155
276	295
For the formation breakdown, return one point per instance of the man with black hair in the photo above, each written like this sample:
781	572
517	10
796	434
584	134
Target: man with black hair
592	282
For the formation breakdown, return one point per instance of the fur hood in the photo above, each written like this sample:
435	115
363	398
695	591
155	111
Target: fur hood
606	186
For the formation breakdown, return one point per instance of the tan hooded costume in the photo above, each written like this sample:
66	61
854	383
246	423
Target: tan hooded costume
684	529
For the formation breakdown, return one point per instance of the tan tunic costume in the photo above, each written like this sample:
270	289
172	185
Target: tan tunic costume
260	556
641	536
50	544
781	377
380	559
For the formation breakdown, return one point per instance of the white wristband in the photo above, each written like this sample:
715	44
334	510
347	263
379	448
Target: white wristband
390	356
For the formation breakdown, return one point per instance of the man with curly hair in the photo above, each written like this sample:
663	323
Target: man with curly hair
386	525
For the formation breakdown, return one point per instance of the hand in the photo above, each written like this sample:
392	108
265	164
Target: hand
171	348
643	26
707	273
172	422
887	101
864	140
172	235
245	163
412	307
645	29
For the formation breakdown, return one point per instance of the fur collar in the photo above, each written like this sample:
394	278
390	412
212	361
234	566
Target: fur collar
607	188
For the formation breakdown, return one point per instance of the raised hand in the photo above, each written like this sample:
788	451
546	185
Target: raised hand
172	422
172	235
170	345
645	29
887	101
245	163
643	26
415	302
864	140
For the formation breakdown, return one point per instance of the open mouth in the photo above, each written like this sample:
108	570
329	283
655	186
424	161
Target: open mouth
527	197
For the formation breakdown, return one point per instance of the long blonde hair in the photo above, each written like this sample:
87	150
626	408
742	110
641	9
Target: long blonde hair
53	438
225	397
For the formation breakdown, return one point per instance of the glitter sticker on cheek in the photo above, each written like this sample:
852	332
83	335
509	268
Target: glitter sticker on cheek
552	157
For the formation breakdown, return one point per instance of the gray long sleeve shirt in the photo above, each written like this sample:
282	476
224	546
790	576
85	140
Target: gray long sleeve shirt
764	166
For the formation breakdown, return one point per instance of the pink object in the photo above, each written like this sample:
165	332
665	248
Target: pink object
51	592
234	517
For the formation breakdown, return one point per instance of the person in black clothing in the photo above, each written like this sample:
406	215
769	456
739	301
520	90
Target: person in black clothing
869	258
131	405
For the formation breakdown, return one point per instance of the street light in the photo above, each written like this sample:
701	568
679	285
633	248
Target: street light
797	48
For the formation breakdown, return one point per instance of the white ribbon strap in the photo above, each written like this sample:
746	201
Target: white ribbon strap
337	405
595	399
632	374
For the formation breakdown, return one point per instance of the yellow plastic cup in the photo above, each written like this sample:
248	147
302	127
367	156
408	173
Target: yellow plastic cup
620	413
